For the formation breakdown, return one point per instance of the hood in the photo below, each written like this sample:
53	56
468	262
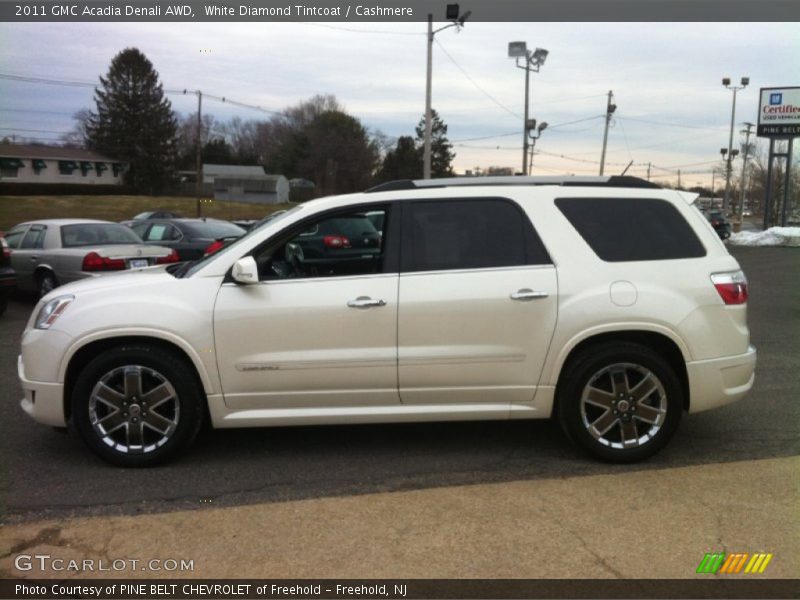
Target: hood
115	279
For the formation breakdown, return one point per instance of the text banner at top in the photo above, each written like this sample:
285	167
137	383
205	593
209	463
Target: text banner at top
401	11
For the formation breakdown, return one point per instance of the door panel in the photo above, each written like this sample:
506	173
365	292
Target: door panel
296	343
462	338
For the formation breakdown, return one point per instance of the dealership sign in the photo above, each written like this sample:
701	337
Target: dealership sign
779	112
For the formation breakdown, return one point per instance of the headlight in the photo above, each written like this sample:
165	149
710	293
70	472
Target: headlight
51	311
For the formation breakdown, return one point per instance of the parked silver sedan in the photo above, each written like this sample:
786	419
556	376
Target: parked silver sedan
51	252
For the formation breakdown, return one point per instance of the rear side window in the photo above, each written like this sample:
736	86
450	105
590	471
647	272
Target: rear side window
34	238
468	234
632	229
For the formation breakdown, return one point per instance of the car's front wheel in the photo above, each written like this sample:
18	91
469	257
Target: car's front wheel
621	402
137	405
46	282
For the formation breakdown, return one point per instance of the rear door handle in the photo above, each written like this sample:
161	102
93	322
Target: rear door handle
365	302
526	294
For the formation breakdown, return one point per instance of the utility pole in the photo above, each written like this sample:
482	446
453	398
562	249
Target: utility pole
610	108
747	133
648	171
199	154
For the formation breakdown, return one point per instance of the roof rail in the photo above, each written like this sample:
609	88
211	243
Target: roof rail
625	181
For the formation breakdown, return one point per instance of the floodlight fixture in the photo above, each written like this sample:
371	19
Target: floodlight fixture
539	56
745	81
452	12
463	18
723	151
542	126
517	49
726	81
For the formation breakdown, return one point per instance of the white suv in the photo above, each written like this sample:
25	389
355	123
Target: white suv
608	303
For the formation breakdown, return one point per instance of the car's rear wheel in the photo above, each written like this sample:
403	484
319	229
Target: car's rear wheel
137	405
46	283
621	402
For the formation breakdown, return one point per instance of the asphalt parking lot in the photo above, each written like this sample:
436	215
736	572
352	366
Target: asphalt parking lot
46	474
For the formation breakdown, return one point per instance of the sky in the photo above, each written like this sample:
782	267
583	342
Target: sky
673	111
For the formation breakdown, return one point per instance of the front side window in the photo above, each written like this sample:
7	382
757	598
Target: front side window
342	244
468	234
14	237
34	238
632	229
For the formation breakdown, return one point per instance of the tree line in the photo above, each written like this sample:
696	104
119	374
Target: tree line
133	121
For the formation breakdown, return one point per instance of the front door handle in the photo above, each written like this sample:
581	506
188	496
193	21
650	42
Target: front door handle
365	302
526	294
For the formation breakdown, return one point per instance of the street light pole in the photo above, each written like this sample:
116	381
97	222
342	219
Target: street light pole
533	60
747	133
426	152
728	167
458	23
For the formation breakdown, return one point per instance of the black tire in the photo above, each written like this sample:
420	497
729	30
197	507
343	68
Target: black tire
127	436
46	282
3	301
599	383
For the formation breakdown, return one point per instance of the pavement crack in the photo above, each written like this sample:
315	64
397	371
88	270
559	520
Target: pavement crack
49	536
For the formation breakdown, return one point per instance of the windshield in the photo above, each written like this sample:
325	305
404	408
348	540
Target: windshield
190	268
94	234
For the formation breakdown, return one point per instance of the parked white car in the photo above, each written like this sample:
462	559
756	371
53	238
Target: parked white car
608	303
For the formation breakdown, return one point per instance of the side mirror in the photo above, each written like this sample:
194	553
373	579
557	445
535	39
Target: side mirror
245	270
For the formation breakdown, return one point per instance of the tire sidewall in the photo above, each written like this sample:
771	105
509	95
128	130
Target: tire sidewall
41	288
594	360
167	364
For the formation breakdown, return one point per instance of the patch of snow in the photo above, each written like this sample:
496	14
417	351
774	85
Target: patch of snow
774	236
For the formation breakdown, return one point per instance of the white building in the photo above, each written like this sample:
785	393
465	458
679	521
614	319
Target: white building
32	163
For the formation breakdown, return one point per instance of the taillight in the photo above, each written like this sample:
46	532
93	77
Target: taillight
172	257
6	249
214	246
336	241
732	287
94	262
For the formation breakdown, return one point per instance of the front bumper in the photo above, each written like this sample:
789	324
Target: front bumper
720	381
44	402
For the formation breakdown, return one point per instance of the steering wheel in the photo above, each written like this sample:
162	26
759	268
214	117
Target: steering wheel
294	255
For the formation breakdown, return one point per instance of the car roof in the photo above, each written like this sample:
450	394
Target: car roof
569	180
66	222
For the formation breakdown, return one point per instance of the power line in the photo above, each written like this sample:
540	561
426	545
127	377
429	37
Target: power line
475	83
665	124
368	31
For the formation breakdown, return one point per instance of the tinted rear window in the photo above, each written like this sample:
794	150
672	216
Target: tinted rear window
468	234
631	229
95	234
212	230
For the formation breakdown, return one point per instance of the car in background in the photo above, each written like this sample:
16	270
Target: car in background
190	238
8	277
157	214
719	223
52	252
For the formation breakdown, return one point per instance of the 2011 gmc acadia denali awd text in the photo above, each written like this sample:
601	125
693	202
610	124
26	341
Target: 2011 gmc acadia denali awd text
605	302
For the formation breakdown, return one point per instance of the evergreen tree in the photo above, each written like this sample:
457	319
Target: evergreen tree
403	162
441	149
134	122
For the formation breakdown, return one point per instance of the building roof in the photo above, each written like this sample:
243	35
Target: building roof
50	152
211	170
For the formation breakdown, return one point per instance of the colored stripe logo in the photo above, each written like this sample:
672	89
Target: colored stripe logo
718	563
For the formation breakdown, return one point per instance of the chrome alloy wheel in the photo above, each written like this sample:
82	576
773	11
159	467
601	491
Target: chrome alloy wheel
134	409
623	405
